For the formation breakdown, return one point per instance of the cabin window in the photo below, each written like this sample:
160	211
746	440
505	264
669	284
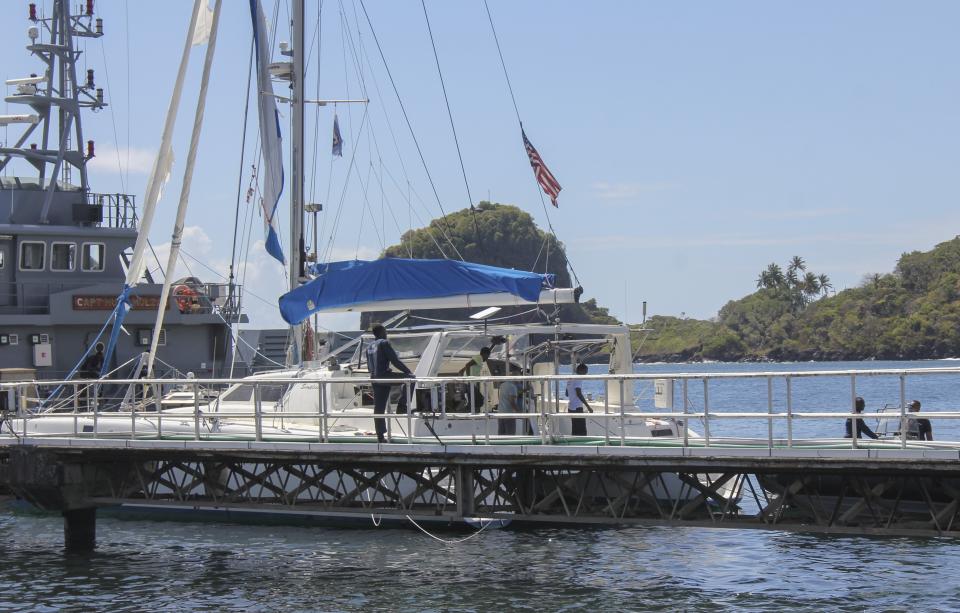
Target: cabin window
63	256
93	257
31	255
1	258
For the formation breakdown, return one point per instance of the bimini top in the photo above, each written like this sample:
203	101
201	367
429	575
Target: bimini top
394	283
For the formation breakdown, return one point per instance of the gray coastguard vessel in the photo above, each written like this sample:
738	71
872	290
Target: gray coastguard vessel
64	248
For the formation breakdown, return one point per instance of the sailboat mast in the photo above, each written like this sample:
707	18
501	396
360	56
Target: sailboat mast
296	152
296	166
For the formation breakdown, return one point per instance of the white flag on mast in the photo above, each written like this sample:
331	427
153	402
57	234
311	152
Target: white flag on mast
201	34
270	139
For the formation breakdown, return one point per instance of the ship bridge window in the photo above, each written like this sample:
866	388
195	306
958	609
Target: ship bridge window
92	257
63	257
31	255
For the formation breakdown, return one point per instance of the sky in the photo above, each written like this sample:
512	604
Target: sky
696	142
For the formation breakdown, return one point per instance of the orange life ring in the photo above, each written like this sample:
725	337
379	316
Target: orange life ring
184	295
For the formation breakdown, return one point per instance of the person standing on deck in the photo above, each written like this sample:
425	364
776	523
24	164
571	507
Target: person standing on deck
477	367
862	427
577	401
93	364
380	355
924	428
508	404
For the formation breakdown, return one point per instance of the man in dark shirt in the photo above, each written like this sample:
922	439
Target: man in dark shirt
862	427
93	364
380	355
924	429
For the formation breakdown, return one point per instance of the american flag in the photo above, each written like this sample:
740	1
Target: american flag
544	177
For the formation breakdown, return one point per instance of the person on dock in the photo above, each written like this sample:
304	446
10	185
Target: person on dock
577	401
380	355
477	367
922	428
508	403
862	427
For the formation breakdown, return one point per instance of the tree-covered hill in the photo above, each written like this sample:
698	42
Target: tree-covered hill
910	313
498	235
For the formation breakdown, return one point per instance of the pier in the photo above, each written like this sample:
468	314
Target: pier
310	472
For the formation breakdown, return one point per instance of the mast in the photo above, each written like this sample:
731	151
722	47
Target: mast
296	148
296	164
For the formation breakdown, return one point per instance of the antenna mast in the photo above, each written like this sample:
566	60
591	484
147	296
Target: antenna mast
57	89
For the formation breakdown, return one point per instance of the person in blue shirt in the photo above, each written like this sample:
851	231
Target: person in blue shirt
380	355
862	428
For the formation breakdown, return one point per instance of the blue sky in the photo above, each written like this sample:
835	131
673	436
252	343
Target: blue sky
696	142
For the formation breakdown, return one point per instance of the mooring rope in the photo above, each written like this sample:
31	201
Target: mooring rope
449	541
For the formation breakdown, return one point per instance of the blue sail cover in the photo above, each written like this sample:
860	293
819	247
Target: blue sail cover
344	284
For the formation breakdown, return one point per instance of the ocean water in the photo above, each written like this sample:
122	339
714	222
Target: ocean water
184	566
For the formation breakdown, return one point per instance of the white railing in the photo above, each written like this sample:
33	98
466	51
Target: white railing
701	397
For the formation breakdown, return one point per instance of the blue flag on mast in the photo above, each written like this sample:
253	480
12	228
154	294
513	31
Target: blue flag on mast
270	138
337	140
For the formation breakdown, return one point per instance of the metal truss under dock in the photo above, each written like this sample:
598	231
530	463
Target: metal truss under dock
869	490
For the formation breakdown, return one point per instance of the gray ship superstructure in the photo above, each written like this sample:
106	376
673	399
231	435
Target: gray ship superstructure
64	248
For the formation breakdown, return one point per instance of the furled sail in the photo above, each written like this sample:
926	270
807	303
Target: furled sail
397	283
270	139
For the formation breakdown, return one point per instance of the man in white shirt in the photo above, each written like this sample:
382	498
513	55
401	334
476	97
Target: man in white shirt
577	402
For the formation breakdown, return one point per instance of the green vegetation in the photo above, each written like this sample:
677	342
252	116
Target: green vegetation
911	313
498	235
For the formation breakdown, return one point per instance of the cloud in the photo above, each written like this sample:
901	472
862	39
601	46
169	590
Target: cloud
625	191
133	160
195	246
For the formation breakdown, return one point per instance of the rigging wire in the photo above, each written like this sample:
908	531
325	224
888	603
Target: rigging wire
113	121
446	100
317	37
404	194
406	118
393	136
343	194
126	39
236	212
243	151
516	110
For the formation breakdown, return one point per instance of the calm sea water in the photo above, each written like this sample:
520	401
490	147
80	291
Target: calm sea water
166	566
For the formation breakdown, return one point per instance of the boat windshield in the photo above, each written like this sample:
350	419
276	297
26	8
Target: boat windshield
407	346
467	346
244	393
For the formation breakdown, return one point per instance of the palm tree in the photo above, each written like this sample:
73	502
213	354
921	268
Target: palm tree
811	284
825	284
772	276
791	278
797	263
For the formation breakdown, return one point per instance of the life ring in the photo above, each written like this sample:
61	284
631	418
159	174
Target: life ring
184	295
